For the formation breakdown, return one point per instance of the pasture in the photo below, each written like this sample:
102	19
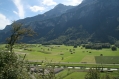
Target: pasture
67	54
81	74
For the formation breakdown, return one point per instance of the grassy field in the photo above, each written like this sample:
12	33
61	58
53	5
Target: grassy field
62	53
107	59
69	56
76	75
81	74
66	54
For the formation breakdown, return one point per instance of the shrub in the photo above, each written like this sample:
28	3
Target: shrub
93	74
97	47
12	67
106	45
101	54
117	43
114	48
75	46
88	46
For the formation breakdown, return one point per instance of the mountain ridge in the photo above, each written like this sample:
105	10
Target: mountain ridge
91	21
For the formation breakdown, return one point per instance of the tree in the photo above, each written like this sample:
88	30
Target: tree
75	46
17	33
107	76
11	65
93	74
117	43
114	48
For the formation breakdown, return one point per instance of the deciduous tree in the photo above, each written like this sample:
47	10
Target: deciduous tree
17	33
11	65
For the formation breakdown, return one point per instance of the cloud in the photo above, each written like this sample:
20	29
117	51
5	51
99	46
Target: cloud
49	2
37	8
72	2
3	21
20	8
15	12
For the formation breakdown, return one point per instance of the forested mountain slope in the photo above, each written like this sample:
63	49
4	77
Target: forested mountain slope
90	21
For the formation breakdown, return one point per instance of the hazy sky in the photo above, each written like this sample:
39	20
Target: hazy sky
11	10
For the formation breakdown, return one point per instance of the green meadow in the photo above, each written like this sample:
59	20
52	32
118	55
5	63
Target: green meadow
65	74
67	54
81	74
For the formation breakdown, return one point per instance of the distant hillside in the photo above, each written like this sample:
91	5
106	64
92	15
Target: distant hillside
55	12
91	21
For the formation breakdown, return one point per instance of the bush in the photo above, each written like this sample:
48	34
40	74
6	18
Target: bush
93	46
106	45
93	74
114	48
117	44
12	67
97	47
75	46
89	46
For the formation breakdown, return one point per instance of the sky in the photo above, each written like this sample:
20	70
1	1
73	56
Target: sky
11	10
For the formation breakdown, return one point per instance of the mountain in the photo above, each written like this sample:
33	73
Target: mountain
55	12
90	21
